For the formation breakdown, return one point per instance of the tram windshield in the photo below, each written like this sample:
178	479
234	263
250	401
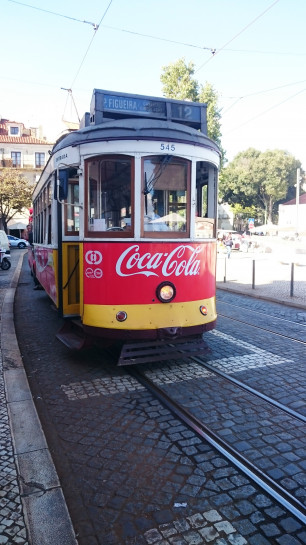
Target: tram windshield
109	194
165	188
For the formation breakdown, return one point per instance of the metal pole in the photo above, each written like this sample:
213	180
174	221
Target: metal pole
253	275
292	280
224	279
297	198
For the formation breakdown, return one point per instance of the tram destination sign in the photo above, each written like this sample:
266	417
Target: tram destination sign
107	105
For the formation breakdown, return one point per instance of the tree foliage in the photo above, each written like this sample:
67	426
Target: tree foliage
209	96
260	179
15	194
178	83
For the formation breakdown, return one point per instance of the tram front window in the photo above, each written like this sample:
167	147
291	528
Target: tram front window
109	195
165	191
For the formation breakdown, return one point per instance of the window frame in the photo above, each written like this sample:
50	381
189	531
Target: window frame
39	163
72	181
16	155
108	234
167	234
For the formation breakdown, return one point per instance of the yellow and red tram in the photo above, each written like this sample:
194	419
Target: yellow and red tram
124	222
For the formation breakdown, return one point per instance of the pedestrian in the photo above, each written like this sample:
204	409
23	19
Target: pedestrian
229	243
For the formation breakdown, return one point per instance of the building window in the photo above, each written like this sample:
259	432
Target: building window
39	160
16	158
14	130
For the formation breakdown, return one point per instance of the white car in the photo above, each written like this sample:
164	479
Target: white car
17	242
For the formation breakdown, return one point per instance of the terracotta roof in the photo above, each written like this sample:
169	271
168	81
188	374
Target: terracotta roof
25	134
302	200
22	140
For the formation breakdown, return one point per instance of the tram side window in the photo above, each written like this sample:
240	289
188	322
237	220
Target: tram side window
40	219
109	195
166	182
49	219
206	187
72	210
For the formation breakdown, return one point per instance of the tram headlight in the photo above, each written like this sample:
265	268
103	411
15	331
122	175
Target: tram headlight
121	316
203	310
165	292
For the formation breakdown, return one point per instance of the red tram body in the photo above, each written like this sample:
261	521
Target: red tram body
124	223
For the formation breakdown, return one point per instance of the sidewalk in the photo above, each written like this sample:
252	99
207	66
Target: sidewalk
264	276
32	506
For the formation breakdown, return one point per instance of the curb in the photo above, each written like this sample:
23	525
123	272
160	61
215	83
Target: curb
45	510
257	295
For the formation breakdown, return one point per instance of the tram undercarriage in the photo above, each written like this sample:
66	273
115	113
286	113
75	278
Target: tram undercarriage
167	344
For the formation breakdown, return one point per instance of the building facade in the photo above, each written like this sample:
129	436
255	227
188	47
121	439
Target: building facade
25	150
292	216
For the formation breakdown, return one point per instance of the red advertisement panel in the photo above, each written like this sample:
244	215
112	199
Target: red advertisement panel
129	273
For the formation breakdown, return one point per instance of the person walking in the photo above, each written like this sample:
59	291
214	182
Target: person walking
229	243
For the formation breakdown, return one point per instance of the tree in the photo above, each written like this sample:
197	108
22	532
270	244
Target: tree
15	194
209	96
259	179
178	83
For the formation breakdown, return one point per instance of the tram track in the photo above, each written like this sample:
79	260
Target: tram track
277	322
251	390
264	481
289	337
266	314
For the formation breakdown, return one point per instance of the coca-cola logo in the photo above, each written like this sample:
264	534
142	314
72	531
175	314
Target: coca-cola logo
183	260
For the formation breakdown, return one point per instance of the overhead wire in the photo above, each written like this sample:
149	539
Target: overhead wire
53	13
92	39
214	50
238	34
266	111
256	93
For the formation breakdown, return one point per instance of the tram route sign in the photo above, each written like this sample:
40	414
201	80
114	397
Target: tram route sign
107	105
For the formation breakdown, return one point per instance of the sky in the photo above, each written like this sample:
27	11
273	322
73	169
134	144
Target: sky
252	53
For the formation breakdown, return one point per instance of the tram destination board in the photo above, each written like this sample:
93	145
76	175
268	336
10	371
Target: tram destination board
107	105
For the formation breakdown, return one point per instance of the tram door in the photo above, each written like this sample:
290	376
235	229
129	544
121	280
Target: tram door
71	250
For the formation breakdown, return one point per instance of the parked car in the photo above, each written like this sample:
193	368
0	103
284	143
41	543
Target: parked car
4	242
17	242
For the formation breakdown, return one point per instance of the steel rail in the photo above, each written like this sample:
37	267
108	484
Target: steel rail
268	399
240	307
272	488
263	329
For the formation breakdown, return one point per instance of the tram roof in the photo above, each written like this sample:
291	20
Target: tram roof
135	129
113	105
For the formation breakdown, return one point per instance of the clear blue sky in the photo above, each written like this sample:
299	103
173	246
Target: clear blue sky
258	69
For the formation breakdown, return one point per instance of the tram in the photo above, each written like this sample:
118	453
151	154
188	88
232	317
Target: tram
124	226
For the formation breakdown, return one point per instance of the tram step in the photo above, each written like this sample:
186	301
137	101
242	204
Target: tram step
71	335
153	351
